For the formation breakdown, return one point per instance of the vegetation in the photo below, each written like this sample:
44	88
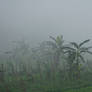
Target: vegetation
53	66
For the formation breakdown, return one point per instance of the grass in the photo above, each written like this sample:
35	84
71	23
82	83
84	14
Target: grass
25	84
88	89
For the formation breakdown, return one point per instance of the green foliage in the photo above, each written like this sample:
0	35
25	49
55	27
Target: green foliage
75	55
50	67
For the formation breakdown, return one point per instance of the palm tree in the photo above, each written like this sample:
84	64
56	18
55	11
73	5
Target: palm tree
56	45
54	49
76	53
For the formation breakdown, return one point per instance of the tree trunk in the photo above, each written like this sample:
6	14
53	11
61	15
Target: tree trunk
2	73
77	70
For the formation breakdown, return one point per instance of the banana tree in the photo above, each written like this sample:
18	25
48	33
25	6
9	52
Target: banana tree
56	45
78	51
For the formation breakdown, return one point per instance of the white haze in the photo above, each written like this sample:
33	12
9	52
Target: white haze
35	20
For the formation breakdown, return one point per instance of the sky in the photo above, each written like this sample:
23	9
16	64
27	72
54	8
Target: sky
36	20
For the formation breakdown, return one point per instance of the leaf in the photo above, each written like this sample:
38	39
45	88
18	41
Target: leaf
68	48
52	38
89	48
66	51
82	58
74	44
89	52
84	42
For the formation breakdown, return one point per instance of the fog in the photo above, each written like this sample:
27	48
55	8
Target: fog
36	20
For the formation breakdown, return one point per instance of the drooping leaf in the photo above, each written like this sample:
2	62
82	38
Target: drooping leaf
74	44
89	52
84	42
68	48
89	47
82	58
52	38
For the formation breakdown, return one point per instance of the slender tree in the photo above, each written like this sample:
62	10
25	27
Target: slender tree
57	45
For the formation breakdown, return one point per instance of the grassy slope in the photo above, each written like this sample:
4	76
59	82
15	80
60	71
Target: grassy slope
25	84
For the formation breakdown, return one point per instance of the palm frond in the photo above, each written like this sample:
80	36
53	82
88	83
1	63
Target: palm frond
89	52
74	44
89	47
68	48
82	58
66	52
84	42
85	48
85	51
52	38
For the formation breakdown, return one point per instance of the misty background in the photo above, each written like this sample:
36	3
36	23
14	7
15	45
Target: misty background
36	20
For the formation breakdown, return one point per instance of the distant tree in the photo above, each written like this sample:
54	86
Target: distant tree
18	56
57	45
